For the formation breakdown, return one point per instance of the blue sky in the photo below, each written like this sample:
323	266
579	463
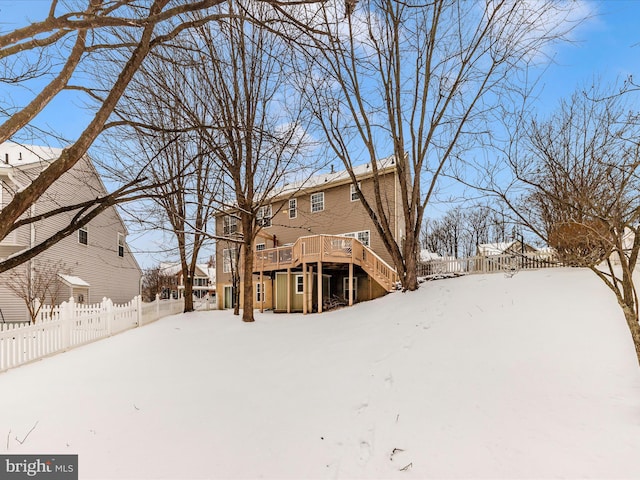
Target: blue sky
607	46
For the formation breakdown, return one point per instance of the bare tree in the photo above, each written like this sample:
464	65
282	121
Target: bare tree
50	56
245	119
421	80
170	151
36	284
575	183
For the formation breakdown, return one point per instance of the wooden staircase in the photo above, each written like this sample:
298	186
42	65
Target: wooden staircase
327	248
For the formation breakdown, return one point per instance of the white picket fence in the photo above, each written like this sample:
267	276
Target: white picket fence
487	264
70	325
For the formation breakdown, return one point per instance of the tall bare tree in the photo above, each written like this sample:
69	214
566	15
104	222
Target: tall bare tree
51	55
421	80
245	118
575	182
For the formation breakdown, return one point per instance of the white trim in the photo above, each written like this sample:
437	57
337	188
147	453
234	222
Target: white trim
299	275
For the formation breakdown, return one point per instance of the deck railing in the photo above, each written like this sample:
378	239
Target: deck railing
326	248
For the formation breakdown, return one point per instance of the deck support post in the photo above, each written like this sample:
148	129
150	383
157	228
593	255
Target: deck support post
304	288
262	292
288	290
350	284
319	287
309	297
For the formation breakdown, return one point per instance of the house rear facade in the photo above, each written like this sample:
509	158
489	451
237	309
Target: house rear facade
95	262
316	243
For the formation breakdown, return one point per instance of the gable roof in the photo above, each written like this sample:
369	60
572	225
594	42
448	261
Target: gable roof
18	155
322	180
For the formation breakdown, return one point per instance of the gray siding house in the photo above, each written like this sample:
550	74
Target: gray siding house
96	261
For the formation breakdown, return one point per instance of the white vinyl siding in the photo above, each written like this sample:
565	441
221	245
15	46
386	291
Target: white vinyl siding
317	202
110	276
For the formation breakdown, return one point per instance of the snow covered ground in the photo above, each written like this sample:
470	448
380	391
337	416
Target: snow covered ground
475	377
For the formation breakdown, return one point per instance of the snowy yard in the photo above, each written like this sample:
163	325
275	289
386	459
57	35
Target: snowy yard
475	377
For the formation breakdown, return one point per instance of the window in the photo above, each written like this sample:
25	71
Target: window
363	236
230	225
263	216
260	247
317	202
354	287
259	290
120	245
293	208
354	193
83	236
228	259
299	284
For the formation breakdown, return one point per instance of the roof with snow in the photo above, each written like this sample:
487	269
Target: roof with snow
18	155
426	255
73	281
494	248
341	176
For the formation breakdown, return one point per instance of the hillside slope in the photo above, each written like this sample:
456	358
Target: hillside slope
474	377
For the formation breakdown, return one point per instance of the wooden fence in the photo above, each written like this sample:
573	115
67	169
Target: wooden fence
70	325
490	264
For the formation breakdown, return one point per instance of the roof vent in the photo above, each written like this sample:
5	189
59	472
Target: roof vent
6	158
20	156
332	170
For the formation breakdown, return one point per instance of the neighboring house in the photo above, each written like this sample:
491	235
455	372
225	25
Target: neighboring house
96	260
316	243
504	248
204	280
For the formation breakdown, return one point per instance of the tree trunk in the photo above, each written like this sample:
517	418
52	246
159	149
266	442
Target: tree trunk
634	327
410	281
247	276
247	287
188	292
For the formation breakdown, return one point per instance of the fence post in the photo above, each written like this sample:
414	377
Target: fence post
138	300
157	306
67	317
107	308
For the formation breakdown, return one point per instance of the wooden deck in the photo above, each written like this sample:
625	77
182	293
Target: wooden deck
326	248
